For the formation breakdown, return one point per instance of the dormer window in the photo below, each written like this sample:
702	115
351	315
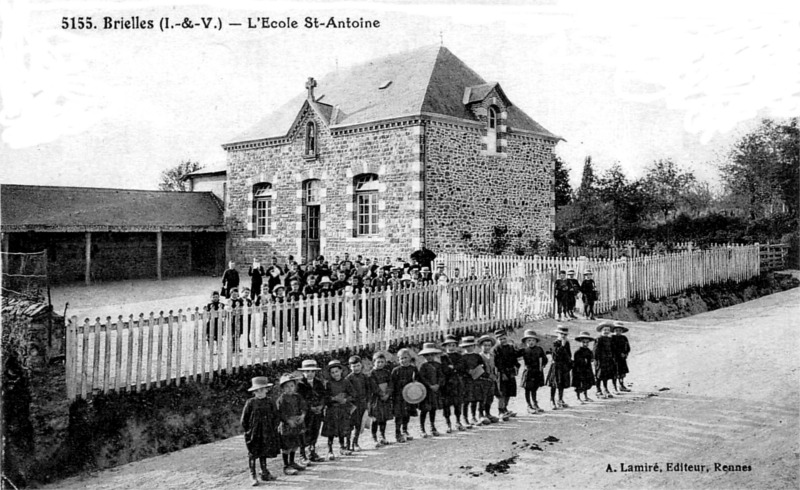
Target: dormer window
311	140
491	130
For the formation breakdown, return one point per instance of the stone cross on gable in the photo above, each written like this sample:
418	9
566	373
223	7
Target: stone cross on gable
310	84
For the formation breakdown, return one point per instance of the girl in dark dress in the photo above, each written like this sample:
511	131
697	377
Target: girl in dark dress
338	409
260	423
533	377
432	376
402	375
476	382
604	366
380	405
621	348
292	411
453	389
558	377
215	315
582	375
589	291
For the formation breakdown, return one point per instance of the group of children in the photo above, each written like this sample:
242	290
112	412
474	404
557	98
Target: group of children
567	290
462	381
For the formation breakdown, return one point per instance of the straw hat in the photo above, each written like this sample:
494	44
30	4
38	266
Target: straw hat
584	336
309	365
619	326
336	363
406	277
604	324
571	271
414	392
587	272
561	329
285	379
325	280
425	269
450	339
354	360
277	287
440	265
467	341
429	348
500	333
530	334
486	338
259	382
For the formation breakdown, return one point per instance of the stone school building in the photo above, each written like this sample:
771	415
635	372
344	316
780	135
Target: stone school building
408	151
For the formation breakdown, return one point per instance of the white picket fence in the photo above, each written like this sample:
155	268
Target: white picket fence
146	351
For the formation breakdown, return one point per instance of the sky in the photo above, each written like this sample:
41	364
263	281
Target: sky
622	81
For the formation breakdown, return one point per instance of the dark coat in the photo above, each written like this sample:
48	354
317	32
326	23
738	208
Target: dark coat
260	423
256	278
589	290
316	395
535	361
290	407
621	348
558	376
604	365
506	360
431	374
379	409
337	413
453	370
230	280
582	374
401	376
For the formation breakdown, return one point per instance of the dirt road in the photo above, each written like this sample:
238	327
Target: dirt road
709	392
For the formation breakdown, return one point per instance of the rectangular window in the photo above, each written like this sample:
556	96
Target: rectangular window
263	216
367	213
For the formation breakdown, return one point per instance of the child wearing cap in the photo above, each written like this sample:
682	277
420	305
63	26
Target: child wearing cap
214	314
533	377
574	289
589	291
558	377
453	389
604	366
312	389
338	409
260	422
430	375
380	405
506	359
621	348
292	412
361	392
402	375
582	375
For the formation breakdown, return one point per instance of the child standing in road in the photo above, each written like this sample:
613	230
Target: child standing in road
402	375
582	375
338	410
380	405
604	367
260	422
558	377
292	411
361	392
431	375
314	392
533	377
621	348
453	389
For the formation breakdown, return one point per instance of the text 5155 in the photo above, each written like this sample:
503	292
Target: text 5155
76	23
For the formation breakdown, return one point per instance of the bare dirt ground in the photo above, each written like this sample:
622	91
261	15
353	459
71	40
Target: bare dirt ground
133	297
720	388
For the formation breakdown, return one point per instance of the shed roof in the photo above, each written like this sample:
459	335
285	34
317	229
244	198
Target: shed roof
47	208
429	80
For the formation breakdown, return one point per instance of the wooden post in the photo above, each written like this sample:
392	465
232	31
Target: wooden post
88	254
158	254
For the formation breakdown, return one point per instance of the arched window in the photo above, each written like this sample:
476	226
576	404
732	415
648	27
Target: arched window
311	139
262	209
311	189
365	187
491	130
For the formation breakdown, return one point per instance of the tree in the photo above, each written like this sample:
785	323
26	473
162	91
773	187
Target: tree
172	178
623	201
763	168
664	185
586	190
562	188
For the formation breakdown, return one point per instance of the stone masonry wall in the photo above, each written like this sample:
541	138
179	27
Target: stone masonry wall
392	152
470	190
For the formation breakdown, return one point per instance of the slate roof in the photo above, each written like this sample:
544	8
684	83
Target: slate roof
28	207
426	80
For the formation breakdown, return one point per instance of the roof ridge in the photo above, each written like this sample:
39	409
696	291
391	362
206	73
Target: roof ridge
69	187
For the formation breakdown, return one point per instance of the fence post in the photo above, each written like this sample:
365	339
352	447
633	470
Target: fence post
444	306
347	316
